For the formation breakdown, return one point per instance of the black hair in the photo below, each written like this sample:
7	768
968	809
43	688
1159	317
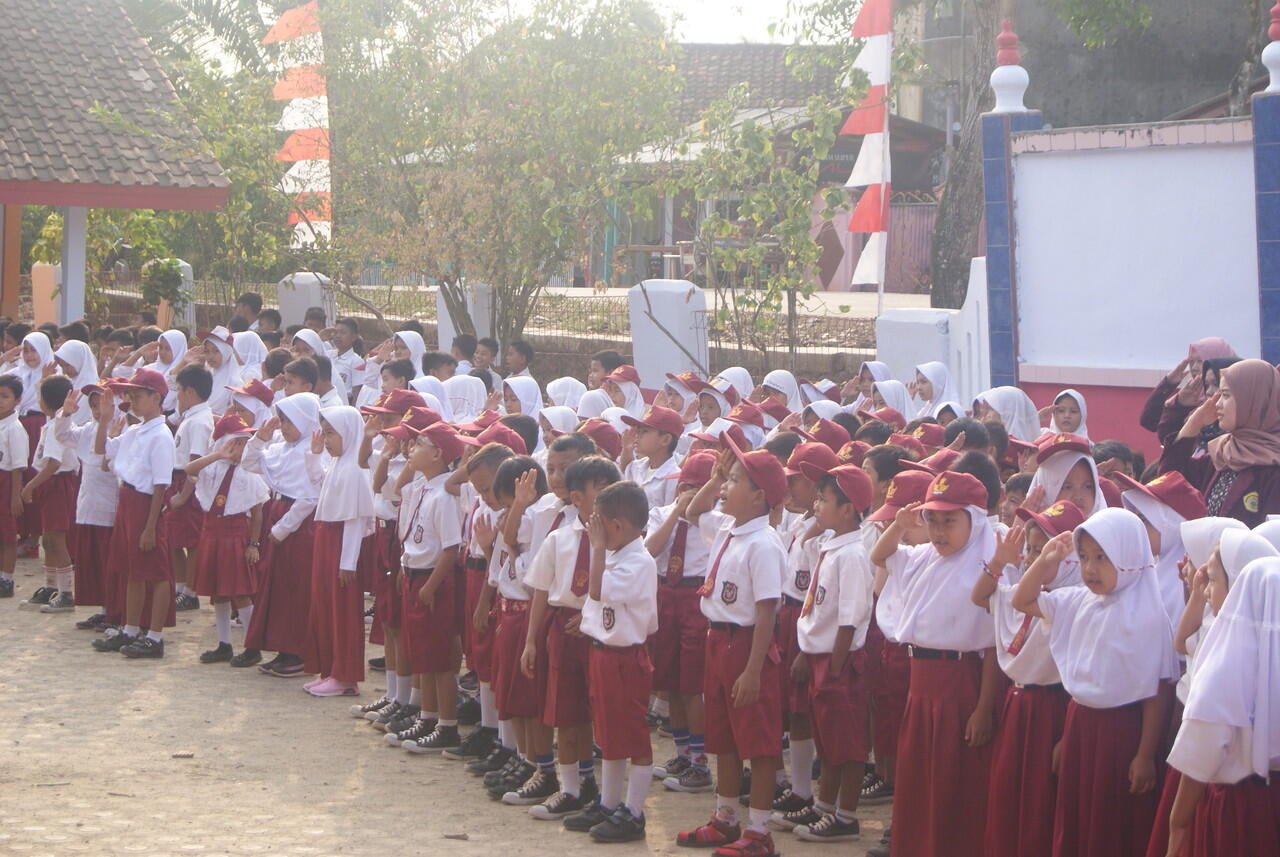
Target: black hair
609	360
196	378
826	481
975	433
780	446
525	426
491	455
847	421
316	313
292	329
271	315
490	343
466	344
49	329
14	383
917	422
413	325
349	323
324	368
504	480
1109	449
575	441
524	349
887	459
999	436
1018	483
270	338
17	331
304	368
53	391
102	334
874	432
252	300
237	324
591	470
485	378
433	360
150	333
1149	473
275	361
148	317
623	501
76	330
979	464
401	369
121	335
672	444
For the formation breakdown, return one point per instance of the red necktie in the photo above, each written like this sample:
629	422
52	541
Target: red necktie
675	564
224	490
709	585
1020	638
811	593
555	525
582	566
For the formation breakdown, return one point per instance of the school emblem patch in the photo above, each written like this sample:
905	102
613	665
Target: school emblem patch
220	500
729	592
417	534
608	618
1251	501
820	595
802	578
1055	510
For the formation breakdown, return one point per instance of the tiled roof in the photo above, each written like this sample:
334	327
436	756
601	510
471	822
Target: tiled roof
60	64
710	71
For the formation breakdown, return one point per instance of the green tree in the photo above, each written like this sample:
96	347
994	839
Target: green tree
183	30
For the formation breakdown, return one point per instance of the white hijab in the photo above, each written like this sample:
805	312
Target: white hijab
1053	472
613	416
1269	530
283	463
1114	649
895	396
562	419
1169	524
530	395
84	365
955	408
944	388
878	372
345	494
466	397
1078	398
935	592
1016	411
433	386
740	380
226	375
1201	538
566	392
254	406
252	351
1237	680
177	342
31	378
417	349
785	383
822	409
719	386
312	340
632	398
593	404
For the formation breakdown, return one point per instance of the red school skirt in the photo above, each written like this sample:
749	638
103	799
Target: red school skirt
335	633
1240	820
282	606
1095	815
621	679
221	568
56	502
29	521
129	563
478	646
940	803
567	703
184	522
1024	789
91	549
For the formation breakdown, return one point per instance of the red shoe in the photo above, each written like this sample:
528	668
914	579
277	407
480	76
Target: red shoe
713	834
751	844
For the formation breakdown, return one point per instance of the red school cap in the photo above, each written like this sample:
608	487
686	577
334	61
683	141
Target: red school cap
910	443
397	402
950	491
763	469
605	436
853	481
414	421
659	419
225	337
696	469
931	435
691	381
1063	443
936	463
481	422
814	453
907	487
497	433
747	413
717	431
1172	489
1062	517
854	452
231	424
1110	493
1016	449
824	386
443	437
774	408
255	389
625	372
886	415
832	434
144	379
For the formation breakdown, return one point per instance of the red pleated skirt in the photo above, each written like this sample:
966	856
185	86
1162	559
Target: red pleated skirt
282	605
184	522
1241	820
1024	788
221	567
1095	815
1158	843
335	633
56	502
128	563
29	521
940	794
889	698
91	550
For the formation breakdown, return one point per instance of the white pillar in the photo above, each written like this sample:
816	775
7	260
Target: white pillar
71	297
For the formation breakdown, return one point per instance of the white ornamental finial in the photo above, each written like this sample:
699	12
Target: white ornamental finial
1009	80
1271	53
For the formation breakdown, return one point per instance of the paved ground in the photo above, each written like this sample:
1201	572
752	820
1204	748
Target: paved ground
93	761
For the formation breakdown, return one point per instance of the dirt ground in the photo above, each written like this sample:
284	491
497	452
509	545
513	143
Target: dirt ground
94	760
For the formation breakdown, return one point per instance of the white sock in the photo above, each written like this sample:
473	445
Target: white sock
802	767
429	715
391	684
824	808
65	576
246	615
404	689
6	576
570	782
131	630
638	780
727	809
758	819
50	577
661	707
222	621
440	722
415	696
154	635
488	707
505	738
612	774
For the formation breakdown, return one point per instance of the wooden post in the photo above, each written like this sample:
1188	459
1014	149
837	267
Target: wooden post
10	259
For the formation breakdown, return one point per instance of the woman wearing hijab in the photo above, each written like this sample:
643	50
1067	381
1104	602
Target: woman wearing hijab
781	386
623	387
1179	392
566	392
78	363
466	396
1242	479
933	386
220	359
251	351
1013	408
408	345
171	347
592	404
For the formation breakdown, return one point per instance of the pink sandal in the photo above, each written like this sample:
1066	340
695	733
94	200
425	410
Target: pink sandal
332	687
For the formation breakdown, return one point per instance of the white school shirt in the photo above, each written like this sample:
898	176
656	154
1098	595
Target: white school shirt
537	521
474	509
142	456
505	576
958	625
889	604
429	521
332	398
697	549
386	502
660	491
801	556
345	365
1033	664
627	612
15	445
464	367
552	567
49	447
843	589
301	507
194	437
751	567
99	488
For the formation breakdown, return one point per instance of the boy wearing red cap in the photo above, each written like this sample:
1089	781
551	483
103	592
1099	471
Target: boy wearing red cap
678	649
142	458
741	687
191	441
649	453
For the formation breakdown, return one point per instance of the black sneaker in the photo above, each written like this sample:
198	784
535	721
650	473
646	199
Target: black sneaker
542	785
514	781
440	738
368	616
492	778
406	719
38	599
559	805
183	601
591	815
791	820
622	826
877	792
692	780
469	712
789	801
114	643
247	658
475	746
497	756
392	713
378	665
421	727
589	791
829	829
673	767
6	588
63	602
362	711
222	654
143	647
96	622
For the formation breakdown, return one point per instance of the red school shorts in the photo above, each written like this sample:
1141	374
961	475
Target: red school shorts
838	706
795	695
679	647
428	631
56	501
621	681
516	694
131	518
567	700
753	731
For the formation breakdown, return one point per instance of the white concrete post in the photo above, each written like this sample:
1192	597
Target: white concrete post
74	232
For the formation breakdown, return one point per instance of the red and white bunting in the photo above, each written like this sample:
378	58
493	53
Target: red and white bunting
869	119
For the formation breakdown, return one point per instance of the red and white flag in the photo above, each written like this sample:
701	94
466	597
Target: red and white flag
869	119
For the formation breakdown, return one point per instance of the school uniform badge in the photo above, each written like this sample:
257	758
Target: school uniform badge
417	534
1251	501
608	618
802	578
820	595
729	592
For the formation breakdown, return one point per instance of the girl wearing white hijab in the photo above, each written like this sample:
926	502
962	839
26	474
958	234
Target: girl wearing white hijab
430	385
623	388
717	391
859	387
1230	734
78	363
1013	408
251	351
593	404
408	345
822	409
781	384
1111	640
894	395
554	421
566	392
344	515
1167	524
934	386
945	412
313	346
171	347
466	397
613	416
1069	475
1070	414
740	379
220	360
522	395
283	604
36	354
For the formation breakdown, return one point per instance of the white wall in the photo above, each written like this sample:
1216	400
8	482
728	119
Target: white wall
1127	255
680	307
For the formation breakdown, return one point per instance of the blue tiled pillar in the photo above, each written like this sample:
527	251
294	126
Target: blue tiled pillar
1002	297
1266	177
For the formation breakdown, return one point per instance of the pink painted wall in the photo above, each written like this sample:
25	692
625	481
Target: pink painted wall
1113	412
